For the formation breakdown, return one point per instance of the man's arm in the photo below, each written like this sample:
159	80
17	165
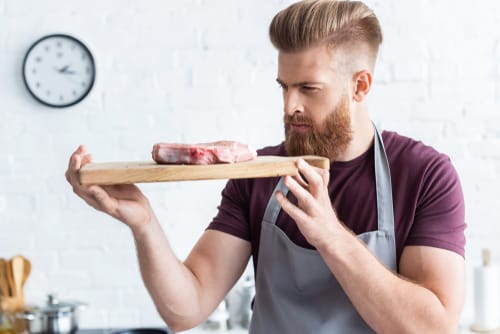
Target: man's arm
426	298
184	293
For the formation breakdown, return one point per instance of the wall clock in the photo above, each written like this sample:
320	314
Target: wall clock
59	70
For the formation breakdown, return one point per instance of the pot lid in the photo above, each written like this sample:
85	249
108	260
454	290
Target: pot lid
55	306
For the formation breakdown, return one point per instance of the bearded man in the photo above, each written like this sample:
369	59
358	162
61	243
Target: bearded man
375	244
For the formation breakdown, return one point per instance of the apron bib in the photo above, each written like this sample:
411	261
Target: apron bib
295	290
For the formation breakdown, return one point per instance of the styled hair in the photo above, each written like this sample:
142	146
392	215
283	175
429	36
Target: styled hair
337	23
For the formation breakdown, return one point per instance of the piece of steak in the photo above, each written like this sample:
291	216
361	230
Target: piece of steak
224	151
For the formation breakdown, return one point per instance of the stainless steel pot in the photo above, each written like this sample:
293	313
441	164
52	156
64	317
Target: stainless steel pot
54	318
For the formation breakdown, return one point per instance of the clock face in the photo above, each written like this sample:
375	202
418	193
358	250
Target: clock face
59	70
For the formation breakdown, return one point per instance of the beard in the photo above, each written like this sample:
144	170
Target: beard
329	140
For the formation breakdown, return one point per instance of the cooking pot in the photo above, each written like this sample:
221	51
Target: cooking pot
54	318
143	331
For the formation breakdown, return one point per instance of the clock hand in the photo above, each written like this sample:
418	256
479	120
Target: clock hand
64	69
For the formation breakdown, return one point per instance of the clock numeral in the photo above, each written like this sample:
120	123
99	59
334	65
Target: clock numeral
61	98
33	71
74	93
84	84
38	59
47	48
47	92
58	44
59	55
84	56
37	85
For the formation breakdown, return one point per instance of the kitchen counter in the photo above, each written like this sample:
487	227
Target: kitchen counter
197	330
108	331
207	331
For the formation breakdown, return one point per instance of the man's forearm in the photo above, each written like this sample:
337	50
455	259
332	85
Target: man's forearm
172	286
387	302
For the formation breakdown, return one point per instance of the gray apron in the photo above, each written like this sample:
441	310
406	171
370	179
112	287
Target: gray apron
295	290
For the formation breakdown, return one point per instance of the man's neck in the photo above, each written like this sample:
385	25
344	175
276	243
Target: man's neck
362	137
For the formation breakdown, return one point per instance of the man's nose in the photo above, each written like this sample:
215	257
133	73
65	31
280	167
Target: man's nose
292	103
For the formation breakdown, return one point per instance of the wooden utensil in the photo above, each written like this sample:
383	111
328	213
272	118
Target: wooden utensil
17	267
4	285
27	272
137	172
10	280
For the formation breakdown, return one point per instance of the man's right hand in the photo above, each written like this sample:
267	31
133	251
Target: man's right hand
124	202
185	293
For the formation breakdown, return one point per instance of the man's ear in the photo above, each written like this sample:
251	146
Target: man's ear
362	85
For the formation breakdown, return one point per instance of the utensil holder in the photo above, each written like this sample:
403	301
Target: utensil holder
10	306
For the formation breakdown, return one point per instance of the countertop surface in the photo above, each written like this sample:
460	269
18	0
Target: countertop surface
197	330
113	330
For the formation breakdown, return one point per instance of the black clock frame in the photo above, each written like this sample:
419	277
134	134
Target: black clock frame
74	39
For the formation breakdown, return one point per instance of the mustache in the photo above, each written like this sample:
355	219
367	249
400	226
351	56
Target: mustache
297	119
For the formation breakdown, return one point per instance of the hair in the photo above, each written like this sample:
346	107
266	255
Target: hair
338	24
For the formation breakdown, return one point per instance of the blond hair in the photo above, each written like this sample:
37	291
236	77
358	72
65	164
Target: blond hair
309	23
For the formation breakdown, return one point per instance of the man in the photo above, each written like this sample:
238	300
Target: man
376	244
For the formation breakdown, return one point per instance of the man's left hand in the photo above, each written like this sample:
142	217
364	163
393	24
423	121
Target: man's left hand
314	214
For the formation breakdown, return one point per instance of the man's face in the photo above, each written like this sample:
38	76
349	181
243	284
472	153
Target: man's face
316	103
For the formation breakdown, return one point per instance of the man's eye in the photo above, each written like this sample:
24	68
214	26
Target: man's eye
309	88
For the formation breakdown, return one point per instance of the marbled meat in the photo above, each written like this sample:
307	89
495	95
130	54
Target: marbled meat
224	151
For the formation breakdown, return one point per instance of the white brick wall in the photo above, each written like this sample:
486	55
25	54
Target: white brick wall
199	70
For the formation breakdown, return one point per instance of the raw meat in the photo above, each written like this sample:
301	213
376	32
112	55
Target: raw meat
224	151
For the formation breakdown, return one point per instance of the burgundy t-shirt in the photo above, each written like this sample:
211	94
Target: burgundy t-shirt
427	196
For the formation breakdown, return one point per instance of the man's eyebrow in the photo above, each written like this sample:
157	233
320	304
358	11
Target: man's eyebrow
298	84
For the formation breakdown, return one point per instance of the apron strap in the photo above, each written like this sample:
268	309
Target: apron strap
273	207
385	211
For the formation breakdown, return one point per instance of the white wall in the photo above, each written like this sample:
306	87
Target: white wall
199	70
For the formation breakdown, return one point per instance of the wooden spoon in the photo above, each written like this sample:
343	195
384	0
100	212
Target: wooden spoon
17	267
4	283
9	277
27	271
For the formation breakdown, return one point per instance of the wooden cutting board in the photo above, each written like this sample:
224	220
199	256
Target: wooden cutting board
150	171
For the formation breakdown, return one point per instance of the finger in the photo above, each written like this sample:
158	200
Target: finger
87	158
300	180
306	200
124	191
102	198
325	174
74	165
77	160
313	178
84	193
291	209
80	150
86	197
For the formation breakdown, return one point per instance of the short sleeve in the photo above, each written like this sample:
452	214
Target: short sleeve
440	212
232	215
